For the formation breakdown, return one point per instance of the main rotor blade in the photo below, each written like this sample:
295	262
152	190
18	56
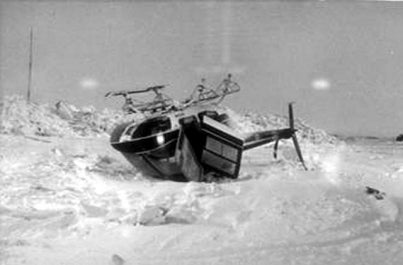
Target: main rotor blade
275	148
294	139
135	91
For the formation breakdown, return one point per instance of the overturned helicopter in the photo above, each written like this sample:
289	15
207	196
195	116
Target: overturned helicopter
189	140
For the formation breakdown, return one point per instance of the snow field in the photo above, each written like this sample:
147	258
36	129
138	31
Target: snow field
69	199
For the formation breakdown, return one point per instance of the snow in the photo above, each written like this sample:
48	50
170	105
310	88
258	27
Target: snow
68	198
62	119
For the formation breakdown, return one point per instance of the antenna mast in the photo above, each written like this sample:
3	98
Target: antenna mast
31	37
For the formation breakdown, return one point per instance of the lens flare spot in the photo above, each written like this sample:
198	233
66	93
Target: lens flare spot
331	168
320	84
160	139
89	83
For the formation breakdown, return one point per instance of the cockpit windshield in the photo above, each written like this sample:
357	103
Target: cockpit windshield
152	126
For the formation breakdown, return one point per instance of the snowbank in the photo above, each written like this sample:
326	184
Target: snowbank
20	117
63	119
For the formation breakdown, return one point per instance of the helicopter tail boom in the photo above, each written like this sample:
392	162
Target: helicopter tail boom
265	137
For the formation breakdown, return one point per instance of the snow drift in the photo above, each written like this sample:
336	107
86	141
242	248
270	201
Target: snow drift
61	119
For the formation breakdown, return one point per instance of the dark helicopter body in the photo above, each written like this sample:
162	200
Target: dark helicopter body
190	141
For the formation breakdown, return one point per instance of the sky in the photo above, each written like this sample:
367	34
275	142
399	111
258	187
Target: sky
341	62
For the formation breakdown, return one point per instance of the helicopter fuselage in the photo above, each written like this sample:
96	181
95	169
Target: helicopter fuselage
177	145
190	140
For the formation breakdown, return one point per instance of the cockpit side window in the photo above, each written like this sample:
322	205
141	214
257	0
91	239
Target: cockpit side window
131	129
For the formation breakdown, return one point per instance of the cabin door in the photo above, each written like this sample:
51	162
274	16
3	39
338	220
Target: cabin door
187	160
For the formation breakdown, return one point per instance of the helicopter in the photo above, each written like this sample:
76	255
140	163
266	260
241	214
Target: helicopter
191	140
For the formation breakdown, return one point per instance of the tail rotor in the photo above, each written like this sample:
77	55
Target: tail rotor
293	136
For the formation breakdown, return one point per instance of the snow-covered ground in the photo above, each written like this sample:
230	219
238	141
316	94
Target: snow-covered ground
75	200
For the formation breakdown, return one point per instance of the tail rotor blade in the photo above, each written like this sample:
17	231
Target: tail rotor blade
275	148
294	139
291	115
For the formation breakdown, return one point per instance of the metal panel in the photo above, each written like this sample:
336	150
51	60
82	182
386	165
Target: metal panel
219	163
187	160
